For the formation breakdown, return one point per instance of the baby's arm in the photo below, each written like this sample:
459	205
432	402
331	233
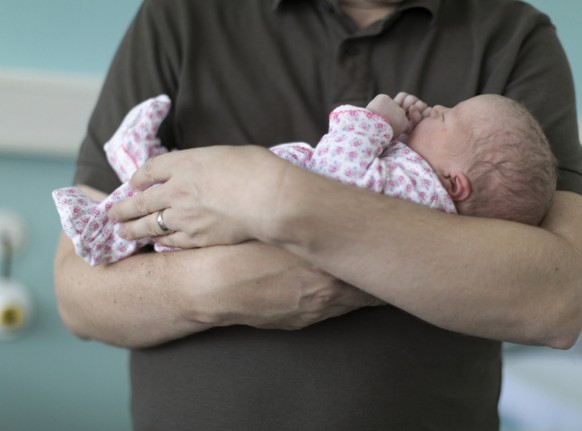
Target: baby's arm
84	220
298	153
135	141
402	113
350	150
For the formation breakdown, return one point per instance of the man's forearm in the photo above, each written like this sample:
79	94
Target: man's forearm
482	277
135	302
152	298
486	278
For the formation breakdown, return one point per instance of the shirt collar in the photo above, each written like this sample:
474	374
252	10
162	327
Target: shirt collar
433	6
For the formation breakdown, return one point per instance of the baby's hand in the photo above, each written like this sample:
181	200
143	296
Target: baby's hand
415	109
388	108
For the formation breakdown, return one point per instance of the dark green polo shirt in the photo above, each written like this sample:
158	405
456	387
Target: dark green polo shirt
265	72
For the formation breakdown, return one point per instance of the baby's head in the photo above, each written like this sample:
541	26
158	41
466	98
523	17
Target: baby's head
492	157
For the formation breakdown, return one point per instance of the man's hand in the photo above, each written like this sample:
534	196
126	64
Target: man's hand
269	288
208	196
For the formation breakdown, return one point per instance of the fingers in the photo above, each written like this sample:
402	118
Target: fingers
148	226
414	117
400	98
406	101
142	203
155	170
147	198
201	193
174	240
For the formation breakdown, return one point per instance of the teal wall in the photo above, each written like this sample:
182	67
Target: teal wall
567	17
77	36
49	380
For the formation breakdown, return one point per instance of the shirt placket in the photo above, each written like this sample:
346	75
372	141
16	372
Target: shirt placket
352	83
350	73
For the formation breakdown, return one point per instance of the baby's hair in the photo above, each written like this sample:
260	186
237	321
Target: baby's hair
511	167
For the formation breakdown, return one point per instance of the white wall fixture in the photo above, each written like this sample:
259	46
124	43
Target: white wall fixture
16	309
16	305
12	233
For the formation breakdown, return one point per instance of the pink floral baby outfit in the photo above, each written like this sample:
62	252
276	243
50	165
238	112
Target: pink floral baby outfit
359	150
85	220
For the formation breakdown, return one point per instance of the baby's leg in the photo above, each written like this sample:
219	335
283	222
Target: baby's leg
135	140
85	222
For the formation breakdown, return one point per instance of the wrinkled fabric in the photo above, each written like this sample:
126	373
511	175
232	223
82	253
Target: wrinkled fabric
359	150
84	220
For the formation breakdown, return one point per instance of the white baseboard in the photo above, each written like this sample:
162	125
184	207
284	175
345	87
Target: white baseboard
44	114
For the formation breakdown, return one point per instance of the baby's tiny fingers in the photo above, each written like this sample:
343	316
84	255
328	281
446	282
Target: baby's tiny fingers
414	117
400	98
420	105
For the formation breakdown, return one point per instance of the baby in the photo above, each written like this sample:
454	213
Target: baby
487	157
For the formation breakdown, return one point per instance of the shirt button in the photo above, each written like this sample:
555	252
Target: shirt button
325	6
351	49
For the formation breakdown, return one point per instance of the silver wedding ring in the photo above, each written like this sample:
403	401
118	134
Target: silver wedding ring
160	220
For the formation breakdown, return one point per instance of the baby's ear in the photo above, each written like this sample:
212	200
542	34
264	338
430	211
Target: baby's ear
458	186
